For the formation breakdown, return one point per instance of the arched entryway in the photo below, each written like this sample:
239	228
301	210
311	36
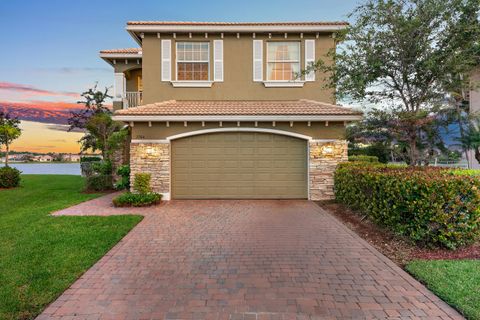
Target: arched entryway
239	164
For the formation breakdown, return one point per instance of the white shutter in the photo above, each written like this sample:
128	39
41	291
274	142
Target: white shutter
257	60
309	59
119	86
218	60
166	60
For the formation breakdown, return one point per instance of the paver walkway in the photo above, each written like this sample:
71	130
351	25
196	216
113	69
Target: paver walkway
241	260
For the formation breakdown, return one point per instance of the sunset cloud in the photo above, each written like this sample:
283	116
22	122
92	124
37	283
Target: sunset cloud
30	90
41	111
43	105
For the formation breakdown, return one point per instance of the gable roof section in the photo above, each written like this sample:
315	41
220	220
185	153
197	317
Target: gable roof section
238	110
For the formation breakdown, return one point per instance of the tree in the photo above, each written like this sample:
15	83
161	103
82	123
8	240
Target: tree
101	130
96	119
407	55
9	131
390	129
94	103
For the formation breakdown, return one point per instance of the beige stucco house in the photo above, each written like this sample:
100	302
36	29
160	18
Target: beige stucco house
218	111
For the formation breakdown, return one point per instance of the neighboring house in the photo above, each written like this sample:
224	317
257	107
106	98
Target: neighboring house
71	157
18	157
217	110
43	158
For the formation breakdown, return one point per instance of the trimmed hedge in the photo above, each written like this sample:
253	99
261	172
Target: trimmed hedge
431	206
129	199
362	158
9	177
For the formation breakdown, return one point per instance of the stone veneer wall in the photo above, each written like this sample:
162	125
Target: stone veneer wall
322	167
157	163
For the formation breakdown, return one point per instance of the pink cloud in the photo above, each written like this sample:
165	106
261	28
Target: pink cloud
43	105
15	87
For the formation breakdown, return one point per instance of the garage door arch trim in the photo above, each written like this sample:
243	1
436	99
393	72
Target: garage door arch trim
239	129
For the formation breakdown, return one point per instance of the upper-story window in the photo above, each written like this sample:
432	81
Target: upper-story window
193	61
283	60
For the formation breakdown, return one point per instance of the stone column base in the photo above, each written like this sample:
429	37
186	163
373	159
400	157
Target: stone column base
153	158
323	159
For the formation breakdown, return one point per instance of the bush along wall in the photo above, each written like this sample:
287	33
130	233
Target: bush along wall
142	195
434	207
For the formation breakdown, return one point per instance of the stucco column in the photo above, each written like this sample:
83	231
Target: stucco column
119	90
153	158
323	159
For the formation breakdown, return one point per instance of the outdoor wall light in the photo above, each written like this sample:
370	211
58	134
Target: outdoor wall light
150	150
327	150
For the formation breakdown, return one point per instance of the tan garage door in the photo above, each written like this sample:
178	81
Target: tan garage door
239	165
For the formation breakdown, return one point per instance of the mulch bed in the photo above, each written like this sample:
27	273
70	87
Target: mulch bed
398	249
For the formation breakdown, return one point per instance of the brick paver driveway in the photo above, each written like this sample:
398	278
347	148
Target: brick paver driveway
243	260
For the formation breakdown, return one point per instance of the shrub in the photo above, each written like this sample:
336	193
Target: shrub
87	168
362	158
124	173
378	150
136	199
142	183
432	206
465	172
90	159
102	167
98	182
9	177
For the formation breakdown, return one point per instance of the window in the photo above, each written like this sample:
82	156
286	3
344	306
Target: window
283	60
193	61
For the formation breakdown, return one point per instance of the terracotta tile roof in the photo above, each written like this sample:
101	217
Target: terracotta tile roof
237	107
196	23
124	50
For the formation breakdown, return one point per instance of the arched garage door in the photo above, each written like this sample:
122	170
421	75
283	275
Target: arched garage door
239	165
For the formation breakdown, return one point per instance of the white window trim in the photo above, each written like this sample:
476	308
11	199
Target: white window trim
192	84
267	61
192	61
283	84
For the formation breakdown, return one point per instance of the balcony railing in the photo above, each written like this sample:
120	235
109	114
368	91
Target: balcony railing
134	98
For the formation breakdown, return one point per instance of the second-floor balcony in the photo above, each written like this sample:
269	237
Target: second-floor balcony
133	99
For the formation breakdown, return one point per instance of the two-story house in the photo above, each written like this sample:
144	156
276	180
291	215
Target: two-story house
219	111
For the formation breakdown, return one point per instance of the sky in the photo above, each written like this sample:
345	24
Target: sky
49	49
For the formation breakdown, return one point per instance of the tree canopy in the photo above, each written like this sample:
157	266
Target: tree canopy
9	131
409	57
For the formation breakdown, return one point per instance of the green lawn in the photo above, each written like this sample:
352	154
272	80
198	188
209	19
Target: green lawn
40	255
455	281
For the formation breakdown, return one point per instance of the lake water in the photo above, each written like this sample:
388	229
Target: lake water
47	168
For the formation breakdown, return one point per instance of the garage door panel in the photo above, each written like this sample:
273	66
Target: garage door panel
239	165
